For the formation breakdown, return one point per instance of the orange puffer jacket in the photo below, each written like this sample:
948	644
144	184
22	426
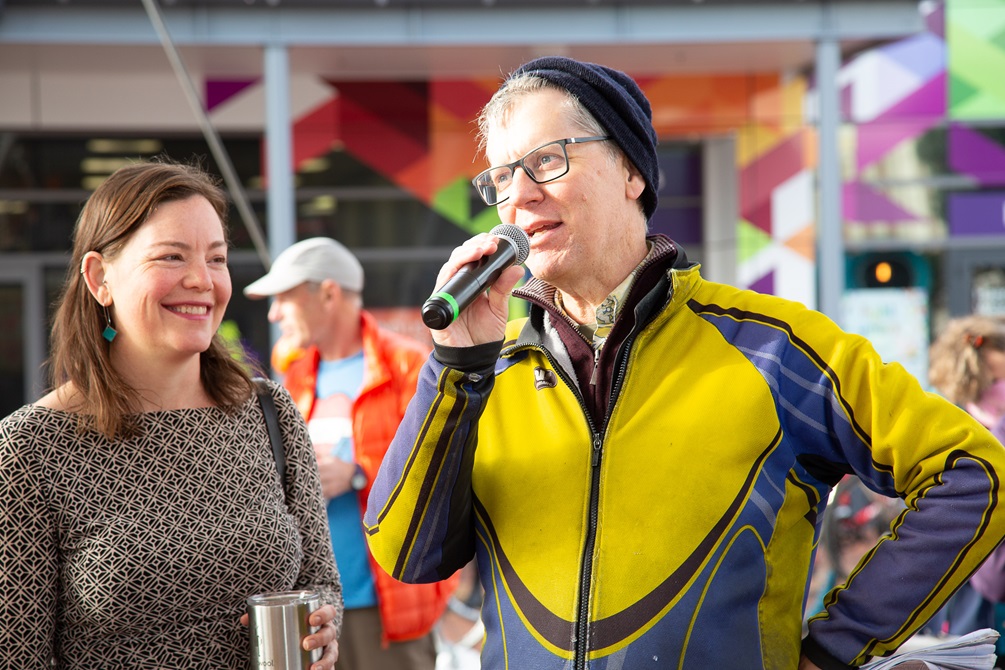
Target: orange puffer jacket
391	367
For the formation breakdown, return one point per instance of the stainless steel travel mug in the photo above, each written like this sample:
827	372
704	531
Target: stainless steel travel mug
278	625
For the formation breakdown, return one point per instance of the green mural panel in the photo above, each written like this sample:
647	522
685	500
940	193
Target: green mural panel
750	240
982	18
960	92
976	58
454	204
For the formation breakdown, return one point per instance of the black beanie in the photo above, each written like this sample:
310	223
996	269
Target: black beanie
618	103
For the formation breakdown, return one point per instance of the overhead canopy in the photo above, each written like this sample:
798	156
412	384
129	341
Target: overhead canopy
464	38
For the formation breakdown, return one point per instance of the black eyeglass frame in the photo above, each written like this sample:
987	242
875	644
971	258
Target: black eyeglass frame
530	173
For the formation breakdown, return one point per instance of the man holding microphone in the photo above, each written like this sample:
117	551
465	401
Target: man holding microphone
642	464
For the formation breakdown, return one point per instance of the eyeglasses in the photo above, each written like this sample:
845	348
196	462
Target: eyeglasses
546	163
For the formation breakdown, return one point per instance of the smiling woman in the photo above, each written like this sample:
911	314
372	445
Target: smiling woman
140	498
166	290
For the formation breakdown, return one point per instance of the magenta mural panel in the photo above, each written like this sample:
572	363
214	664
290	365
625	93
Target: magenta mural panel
908	119
219	91
761	177
861	202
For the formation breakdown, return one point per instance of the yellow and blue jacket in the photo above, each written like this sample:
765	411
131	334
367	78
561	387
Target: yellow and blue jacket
678	531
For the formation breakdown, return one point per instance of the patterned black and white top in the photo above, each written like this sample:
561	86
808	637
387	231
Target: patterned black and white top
141	553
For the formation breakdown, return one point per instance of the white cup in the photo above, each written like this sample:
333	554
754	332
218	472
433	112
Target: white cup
278	624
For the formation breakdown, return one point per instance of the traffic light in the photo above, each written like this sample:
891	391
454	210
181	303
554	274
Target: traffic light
888	269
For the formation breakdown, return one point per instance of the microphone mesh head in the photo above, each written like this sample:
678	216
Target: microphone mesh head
515	235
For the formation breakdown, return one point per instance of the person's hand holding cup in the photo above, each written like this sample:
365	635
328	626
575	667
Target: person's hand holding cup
290	630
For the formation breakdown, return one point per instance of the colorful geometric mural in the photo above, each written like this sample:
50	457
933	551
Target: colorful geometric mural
777	208
921	94
454	158
939	87
418	135
775	157
422	137
894	95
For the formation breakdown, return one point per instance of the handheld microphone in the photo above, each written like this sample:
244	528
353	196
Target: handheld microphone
444	306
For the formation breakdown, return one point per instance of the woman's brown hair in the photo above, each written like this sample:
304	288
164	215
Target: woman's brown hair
104	401
956	369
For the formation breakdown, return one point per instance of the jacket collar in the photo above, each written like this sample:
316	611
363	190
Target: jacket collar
667	258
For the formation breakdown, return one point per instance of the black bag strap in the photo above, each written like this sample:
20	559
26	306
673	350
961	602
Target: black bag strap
268	404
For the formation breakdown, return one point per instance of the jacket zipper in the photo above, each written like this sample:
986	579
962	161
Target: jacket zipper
586	569
586	572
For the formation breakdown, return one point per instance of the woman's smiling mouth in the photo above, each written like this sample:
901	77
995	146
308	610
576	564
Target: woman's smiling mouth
195	310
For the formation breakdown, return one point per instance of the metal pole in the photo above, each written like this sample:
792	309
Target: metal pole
279	150
721	210
830	239
279	156
215	145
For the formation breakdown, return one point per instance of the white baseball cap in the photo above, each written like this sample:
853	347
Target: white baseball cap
315	260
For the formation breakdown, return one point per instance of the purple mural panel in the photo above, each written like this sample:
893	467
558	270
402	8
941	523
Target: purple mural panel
679	215
975	154
765	284
976	214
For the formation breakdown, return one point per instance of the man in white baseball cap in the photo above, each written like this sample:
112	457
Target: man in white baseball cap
312	260
352	383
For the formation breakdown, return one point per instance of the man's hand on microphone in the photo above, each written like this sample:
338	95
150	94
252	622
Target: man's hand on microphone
485	319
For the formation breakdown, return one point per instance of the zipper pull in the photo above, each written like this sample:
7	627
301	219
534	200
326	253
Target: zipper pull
597	444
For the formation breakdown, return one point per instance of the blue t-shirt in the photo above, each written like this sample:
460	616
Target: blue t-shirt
338	385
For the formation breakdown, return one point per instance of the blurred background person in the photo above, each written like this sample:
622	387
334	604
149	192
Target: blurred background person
140	502
967	366
460	631
352	382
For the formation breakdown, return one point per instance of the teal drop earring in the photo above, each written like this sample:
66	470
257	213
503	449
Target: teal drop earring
109	333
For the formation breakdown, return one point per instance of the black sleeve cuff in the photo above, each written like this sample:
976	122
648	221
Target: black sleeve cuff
479	358
822	658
